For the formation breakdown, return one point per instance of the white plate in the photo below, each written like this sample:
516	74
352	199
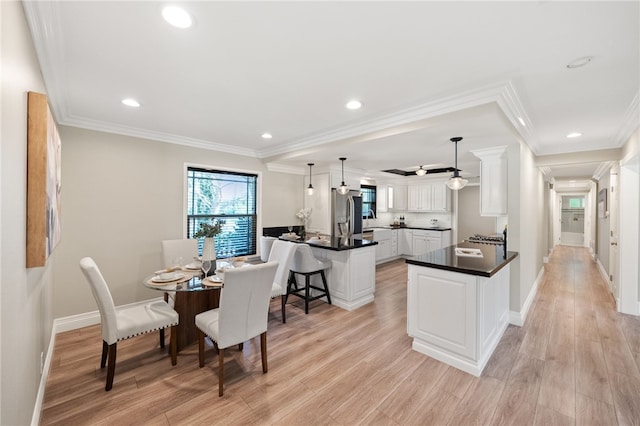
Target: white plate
157	279
212	281
192	267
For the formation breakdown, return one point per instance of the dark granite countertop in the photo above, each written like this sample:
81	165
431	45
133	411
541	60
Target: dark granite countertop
337	244
492	259
425	228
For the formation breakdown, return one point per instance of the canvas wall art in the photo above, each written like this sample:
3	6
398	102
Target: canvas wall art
43	181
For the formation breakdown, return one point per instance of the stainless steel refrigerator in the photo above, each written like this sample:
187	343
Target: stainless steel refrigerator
346	214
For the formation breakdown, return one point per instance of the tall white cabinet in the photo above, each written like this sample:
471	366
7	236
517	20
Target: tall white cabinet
493	180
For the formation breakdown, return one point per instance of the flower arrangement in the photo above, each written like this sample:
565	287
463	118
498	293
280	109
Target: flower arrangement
209	230
304	215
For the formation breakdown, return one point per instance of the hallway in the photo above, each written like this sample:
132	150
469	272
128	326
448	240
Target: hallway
575	352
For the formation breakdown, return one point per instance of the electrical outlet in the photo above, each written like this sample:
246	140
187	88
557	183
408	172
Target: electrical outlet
41	363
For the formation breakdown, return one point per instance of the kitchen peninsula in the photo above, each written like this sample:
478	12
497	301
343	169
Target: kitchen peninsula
352	277
458	305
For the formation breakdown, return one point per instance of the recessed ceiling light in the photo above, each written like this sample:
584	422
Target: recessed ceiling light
574	135
354	104
572	181
131	102
521	121
580	62
177	16
267	136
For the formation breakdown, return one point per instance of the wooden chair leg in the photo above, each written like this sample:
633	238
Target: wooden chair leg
111	367
326	287
307	283
103	360
200	348
174	344
283	302
162	338
220	370
263	350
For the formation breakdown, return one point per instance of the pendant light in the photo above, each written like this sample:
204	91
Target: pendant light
343	188
456	182
421	171
310	187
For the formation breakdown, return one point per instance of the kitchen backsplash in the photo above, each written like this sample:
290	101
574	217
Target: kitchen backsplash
419	220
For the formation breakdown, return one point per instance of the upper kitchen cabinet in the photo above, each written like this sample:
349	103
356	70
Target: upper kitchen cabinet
428	197
493	181
319	202
397	197
382	205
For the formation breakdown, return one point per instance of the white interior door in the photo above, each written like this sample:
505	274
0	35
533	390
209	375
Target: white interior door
614	265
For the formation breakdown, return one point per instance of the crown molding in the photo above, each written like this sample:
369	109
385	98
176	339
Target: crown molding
284	168
43	20
630	123
603	167
502	93
157	136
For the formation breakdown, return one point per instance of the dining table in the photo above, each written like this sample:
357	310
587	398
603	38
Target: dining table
191	294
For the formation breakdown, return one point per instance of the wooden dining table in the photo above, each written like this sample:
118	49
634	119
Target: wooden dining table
191	297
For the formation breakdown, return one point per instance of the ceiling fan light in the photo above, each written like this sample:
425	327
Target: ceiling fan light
421	171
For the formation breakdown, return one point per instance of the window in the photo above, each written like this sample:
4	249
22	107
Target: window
224	196
368	201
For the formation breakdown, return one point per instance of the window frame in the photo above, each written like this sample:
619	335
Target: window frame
373	205
214	168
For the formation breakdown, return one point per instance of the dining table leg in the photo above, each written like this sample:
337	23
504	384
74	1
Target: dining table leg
188	304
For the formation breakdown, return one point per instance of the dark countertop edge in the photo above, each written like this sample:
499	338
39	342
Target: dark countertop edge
511	256
408	227
368	243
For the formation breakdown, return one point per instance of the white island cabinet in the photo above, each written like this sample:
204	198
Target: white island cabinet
458	307
352	277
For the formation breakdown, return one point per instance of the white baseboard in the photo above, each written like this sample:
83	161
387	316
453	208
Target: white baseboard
605	275
60	325
518	318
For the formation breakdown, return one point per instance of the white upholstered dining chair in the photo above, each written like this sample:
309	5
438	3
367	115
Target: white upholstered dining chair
242	314
282	252
186	249
121	323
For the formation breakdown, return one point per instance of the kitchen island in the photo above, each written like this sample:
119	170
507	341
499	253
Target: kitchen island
352	277
458	306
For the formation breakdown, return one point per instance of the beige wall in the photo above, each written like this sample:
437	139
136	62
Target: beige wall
527	220
469	220
25	294
123	195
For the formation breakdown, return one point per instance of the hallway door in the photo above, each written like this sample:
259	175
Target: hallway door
572	220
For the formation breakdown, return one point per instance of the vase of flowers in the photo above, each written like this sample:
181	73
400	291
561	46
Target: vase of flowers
208	231
304	215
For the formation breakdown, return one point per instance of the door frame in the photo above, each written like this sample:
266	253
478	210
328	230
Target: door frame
629	239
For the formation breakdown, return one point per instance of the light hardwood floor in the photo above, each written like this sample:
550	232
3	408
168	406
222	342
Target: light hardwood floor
575	361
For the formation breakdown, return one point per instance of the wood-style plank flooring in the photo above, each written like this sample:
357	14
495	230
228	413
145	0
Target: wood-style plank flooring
575	361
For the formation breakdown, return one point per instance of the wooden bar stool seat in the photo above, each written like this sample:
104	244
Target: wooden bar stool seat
306	264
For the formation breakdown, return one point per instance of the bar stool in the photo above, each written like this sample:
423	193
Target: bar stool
305	263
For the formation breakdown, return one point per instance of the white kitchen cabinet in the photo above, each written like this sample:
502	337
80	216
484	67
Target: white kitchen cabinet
424	241
405	242
387	247
352	276
428	197
383	250
457	318
493	181
397	197
382	204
